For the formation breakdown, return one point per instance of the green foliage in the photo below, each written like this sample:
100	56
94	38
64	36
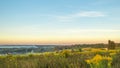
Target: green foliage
80	49
116	61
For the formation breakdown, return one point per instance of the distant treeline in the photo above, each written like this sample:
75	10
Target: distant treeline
100	45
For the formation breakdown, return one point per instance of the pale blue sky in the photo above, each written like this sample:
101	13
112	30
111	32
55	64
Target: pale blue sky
59	21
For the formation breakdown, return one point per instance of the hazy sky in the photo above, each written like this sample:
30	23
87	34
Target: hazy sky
59	21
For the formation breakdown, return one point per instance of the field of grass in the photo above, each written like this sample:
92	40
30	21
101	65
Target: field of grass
69	58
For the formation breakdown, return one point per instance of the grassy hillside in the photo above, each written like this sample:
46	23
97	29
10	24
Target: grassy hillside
69	58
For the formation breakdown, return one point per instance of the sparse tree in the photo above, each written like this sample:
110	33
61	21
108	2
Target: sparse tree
80	49
111	44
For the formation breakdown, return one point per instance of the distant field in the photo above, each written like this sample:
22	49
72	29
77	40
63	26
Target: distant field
23	49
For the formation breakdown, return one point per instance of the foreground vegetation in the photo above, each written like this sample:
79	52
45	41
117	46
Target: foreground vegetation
74	57
69	58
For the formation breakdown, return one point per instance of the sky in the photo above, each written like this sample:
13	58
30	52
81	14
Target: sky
59	21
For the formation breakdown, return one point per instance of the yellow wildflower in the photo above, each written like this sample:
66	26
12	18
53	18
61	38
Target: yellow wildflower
112	54
107	58
97	59
88	61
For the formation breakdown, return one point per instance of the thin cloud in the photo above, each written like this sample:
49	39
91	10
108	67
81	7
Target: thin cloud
88	14
91	14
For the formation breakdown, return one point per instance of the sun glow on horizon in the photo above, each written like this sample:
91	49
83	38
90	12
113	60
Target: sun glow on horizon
63	37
